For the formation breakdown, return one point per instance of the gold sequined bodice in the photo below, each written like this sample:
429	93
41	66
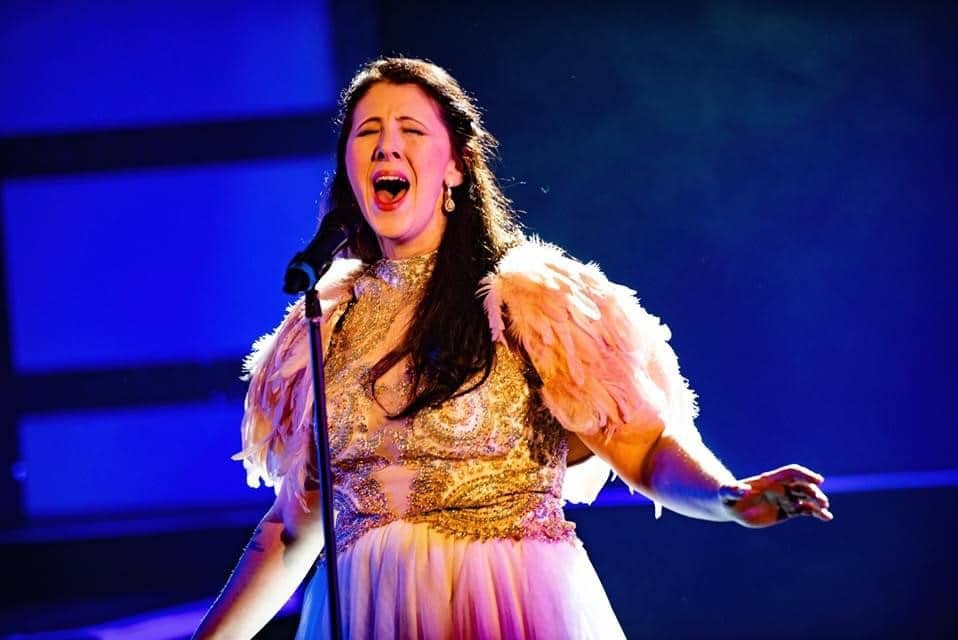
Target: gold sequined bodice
487	464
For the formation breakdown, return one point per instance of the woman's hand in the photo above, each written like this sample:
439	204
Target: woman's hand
776	496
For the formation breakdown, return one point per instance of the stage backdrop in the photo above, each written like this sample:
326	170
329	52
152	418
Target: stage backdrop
778	184
776	181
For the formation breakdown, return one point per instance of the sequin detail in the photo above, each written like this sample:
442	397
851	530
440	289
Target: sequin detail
488	464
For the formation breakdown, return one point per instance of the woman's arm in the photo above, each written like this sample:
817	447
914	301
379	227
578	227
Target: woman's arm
606	366
685	476
279	555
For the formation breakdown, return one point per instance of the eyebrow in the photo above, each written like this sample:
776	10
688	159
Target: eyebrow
379	120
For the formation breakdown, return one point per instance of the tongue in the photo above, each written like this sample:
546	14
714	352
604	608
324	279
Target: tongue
386	197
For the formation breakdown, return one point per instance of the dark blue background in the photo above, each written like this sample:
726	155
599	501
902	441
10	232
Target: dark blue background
775	180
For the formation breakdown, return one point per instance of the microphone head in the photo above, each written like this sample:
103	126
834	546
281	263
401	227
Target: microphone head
336	229
296	279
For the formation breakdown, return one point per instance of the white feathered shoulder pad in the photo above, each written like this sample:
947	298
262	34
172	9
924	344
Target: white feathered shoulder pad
605	362
277	423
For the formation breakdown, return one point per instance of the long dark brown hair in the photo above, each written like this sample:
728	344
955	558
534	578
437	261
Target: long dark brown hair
448	340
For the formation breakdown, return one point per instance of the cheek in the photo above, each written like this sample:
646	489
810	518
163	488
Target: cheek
437	160
354	169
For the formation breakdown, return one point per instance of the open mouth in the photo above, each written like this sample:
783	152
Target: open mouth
390	190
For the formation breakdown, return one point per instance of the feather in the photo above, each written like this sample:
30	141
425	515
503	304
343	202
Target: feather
277	423
605	362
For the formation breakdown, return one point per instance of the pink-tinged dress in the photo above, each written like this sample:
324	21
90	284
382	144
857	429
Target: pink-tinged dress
450	524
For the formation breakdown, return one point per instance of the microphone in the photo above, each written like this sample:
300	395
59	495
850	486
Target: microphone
307	267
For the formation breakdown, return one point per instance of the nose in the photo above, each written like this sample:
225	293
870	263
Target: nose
384	153
388	147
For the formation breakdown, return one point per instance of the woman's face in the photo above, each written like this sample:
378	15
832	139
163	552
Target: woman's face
398	156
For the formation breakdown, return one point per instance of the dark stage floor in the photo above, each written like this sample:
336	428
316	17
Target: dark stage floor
885	567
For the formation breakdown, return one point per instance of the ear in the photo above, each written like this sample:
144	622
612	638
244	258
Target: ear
453	176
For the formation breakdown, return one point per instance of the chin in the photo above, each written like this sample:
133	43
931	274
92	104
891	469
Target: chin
390	229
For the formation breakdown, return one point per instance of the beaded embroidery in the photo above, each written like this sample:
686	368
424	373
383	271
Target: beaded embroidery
488	464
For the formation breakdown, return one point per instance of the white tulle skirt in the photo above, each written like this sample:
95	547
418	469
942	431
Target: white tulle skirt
405	581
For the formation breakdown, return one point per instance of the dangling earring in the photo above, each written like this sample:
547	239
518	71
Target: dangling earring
449	205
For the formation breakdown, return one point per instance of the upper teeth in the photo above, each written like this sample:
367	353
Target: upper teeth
397	178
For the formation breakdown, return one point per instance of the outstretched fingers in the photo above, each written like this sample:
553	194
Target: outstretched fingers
806	508
804	498
808	491
796	489
778	495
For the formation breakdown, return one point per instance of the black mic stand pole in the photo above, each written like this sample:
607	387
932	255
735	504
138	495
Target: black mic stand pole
321	438
299	267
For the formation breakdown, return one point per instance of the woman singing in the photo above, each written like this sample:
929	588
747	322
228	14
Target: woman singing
476	380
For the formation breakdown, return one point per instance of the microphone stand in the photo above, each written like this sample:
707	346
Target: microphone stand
324	468
302	275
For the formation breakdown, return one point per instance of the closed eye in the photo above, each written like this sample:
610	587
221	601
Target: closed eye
415	131
366	132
